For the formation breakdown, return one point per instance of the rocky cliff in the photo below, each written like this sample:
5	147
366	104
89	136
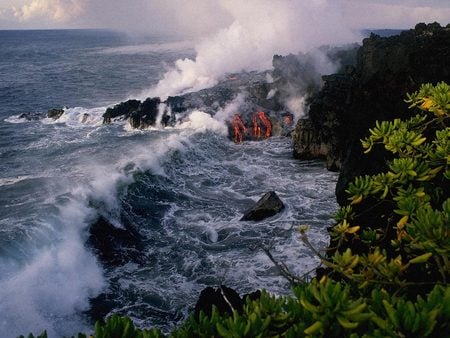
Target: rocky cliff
350	102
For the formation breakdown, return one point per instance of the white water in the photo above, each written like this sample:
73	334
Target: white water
48	283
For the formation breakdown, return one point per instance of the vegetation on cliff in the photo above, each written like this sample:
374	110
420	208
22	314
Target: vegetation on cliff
387	269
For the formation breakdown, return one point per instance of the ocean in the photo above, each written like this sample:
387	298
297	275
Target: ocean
183	189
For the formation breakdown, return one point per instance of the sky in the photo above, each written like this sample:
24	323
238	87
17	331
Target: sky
202	17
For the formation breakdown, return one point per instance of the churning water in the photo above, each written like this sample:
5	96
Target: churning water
183	189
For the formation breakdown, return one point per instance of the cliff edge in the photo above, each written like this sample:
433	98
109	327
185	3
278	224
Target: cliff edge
350	102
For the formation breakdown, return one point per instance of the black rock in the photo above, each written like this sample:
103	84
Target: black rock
176	103
224	298
122	109
55	113
100	307
115	246
146	113
352	100
269	205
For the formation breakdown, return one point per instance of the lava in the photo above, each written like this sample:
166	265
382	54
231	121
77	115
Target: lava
239	128
261	116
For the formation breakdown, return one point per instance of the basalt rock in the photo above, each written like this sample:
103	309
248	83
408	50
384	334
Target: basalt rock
224	298
146	114
269	205
55	113
115	246
351	101
122	110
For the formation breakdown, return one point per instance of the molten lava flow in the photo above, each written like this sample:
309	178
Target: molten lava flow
239	128
266	122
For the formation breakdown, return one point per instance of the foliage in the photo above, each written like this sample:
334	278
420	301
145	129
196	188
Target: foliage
114	327
388	267
329	309
404	241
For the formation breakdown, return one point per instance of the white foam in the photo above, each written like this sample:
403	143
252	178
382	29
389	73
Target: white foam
14	180
79	116
199	121
15	119
55	285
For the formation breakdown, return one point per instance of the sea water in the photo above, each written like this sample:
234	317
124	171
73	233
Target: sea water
184	189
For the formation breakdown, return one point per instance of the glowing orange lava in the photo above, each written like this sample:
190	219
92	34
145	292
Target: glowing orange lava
265	121
239	128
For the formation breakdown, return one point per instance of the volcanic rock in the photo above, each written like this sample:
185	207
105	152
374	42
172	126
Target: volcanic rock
122	109
224	298
352	100
115	246
146	114
269	205
55	113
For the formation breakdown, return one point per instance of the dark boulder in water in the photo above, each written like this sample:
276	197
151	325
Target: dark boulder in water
115	246
122	109
269	205
55	113
100	307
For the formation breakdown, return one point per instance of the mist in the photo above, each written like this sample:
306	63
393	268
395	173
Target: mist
258	30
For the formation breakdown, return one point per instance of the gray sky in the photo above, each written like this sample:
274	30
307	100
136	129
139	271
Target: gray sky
202	17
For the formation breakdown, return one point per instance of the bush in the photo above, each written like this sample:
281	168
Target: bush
395	232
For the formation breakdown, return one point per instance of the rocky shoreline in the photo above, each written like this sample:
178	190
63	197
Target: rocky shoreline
370	85
350	102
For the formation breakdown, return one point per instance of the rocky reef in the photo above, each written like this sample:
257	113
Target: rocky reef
350	101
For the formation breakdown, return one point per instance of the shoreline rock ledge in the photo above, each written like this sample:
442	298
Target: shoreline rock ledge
350	102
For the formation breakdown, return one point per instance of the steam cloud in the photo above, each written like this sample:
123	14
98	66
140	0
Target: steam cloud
259	29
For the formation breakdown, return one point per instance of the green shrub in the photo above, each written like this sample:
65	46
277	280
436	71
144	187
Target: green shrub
396	229
329	309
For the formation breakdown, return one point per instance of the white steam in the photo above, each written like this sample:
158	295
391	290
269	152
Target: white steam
260	29
296	105
231	108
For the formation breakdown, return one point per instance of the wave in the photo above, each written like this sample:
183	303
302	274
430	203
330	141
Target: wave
49	275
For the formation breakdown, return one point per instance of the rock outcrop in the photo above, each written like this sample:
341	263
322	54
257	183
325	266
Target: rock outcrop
115	246
267	109
269	205
223	298
351	101
55	113
122	110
